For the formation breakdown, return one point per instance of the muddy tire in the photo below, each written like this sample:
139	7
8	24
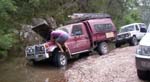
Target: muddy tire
134	41
102	48
34	62
143	75
59	59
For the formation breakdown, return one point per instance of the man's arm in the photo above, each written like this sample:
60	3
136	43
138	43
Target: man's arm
59	45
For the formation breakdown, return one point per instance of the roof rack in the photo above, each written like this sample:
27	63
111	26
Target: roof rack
79	17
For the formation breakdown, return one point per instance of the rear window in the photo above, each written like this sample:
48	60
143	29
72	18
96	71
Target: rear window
103	27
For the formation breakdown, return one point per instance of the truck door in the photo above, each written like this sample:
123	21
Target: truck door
82	41
142	30
138	33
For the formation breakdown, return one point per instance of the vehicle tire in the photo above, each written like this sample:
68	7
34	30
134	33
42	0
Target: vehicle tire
34	62
143	75
102	48
134	41
117	45
59	59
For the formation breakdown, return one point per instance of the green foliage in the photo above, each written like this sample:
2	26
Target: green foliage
7	39
6	7
13	13
132	17
6	42
122	11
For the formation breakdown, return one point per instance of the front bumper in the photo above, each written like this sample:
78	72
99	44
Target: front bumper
37	57
142	62
36	52
123	40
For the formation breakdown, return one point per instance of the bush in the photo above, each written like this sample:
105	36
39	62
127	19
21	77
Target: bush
6	42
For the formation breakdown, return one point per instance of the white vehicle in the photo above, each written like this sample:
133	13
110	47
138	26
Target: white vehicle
131	34
143	57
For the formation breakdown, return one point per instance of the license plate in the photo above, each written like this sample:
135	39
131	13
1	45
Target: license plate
145	64
110	35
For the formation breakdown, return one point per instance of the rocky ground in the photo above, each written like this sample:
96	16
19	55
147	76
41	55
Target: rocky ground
117	66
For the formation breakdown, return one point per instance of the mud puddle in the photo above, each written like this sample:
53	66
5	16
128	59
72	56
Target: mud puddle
18	70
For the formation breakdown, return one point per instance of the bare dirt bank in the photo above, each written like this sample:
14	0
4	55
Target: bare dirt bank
117	66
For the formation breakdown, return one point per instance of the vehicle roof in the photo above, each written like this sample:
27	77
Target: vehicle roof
104	20
130	25
89	16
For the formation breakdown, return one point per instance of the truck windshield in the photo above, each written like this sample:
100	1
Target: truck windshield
126	29
64	28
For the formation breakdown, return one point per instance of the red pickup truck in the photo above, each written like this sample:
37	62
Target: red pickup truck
85	36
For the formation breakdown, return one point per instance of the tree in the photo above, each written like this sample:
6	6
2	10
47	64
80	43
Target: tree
14	13
7	7
144	8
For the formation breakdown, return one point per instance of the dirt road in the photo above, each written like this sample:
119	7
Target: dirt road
117	66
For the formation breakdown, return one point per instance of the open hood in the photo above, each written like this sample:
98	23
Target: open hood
43	30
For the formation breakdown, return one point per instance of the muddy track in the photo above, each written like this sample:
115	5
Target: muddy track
117	66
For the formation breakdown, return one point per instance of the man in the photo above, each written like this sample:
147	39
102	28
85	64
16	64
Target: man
60	37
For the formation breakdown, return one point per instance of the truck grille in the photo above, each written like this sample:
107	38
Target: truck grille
123	36
39	49
30	54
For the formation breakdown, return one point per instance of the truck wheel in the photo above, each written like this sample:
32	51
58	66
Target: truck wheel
34	62
103	48
117	45
134	41
142	75
59	59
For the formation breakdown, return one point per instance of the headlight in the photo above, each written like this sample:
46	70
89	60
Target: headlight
128	35
39	48
42	48
29	50
143	50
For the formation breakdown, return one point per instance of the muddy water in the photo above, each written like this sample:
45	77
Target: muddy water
16	69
